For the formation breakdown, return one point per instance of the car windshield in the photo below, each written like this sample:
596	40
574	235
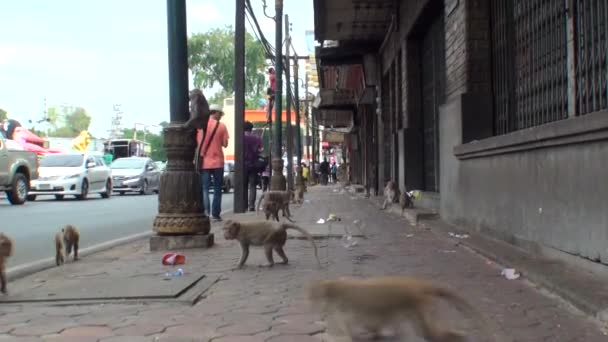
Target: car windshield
128	163
62	160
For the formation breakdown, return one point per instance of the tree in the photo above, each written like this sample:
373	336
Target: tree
78	119
68	122
3	114
211	59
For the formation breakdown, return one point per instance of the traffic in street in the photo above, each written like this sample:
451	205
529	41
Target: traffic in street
34	224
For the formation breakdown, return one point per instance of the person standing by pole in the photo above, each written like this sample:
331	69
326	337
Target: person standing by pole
253	163
212	154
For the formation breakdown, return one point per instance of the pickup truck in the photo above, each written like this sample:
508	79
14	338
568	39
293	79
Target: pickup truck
17	168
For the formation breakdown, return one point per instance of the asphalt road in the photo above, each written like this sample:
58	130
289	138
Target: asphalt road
34	224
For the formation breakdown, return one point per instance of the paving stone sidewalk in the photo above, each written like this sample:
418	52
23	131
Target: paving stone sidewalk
259	304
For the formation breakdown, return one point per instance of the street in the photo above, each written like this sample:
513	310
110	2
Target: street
34	224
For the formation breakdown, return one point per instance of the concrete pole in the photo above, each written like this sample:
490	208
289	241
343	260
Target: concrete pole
277	182
289	131
240	188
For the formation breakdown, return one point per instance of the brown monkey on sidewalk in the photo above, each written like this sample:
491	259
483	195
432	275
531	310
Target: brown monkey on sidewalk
6	251
70	238
374	303
272	209
270	235
282	199
59	249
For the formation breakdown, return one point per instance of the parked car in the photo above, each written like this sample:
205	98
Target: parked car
135	174
75	174
17	168
228	176
161	165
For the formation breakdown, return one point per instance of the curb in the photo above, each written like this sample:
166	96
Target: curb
43	264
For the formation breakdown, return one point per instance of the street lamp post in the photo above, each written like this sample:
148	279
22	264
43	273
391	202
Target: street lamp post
181	221
278	182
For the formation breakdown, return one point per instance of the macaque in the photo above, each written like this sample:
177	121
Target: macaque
59	249
71	238
405	201
391	193
270	235
6	251
199	110
299	194
281	198
374	303
272	209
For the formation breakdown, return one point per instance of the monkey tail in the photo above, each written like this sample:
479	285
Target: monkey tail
305	233
257	207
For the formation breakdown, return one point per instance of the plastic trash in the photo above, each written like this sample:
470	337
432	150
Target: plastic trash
333	218
409	235
172	259
509	273
459	236
177	273
348	241
321	221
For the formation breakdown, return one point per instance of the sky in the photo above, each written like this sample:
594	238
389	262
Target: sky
97	53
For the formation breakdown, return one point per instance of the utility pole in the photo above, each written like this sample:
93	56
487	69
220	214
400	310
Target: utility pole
240	189
306	114
180	208
277	182
296	94
289	144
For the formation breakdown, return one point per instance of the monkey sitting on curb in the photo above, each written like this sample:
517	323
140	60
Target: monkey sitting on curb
69	236
281	198
375	303
391	194
6	251
270	235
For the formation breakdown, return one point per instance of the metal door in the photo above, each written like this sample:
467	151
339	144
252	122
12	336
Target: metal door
433	95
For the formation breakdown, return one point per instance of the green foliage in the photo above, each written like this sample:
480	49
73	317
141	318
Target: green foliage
3	114
68	122
211	60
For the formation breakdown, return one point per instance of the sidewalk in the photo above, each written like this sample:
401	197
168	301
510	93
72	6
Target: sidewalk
121	294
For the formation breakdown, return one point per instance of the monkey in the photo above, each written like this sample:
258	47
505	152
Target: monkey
299	194
71	238
59	248
272	209
199	110
383	301
391	194
270	235
282	198
6	251
405	201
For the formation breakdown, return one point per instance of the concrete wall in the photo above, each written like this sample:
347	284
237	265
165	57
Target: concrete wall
537	188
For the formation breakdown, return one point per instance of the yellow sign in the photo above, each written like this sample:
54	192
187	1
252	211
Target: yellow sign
82	141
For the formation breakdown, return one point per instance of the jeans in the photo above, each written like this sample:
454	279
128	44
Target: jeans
251	184
218	180
265	183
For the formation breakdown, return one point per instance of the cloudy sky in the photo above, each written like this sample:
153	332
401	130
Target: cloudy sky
95	53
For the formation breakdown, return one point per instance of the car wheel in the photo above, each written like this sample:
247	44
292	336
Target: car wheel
59	197
84	190
31	198
108	192
144	188
122	193
20	187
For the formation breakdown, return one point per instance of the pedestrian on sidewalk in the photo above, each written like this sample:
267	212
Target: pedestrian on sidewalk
324	170
266	178
305	173
253	163
212	154
334	173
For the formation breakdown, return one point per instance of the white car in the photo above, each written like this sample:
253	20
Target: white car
75	174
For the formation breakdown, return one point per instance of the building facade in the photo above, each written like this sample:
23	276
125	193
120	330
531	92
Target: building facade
496	109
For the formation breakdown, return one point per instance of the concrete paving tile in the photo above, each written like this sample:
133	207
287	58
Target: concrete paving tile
88	331
42	329
296	328
192	330
127	339
140	330
59	338
245	328
293	338
10	338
